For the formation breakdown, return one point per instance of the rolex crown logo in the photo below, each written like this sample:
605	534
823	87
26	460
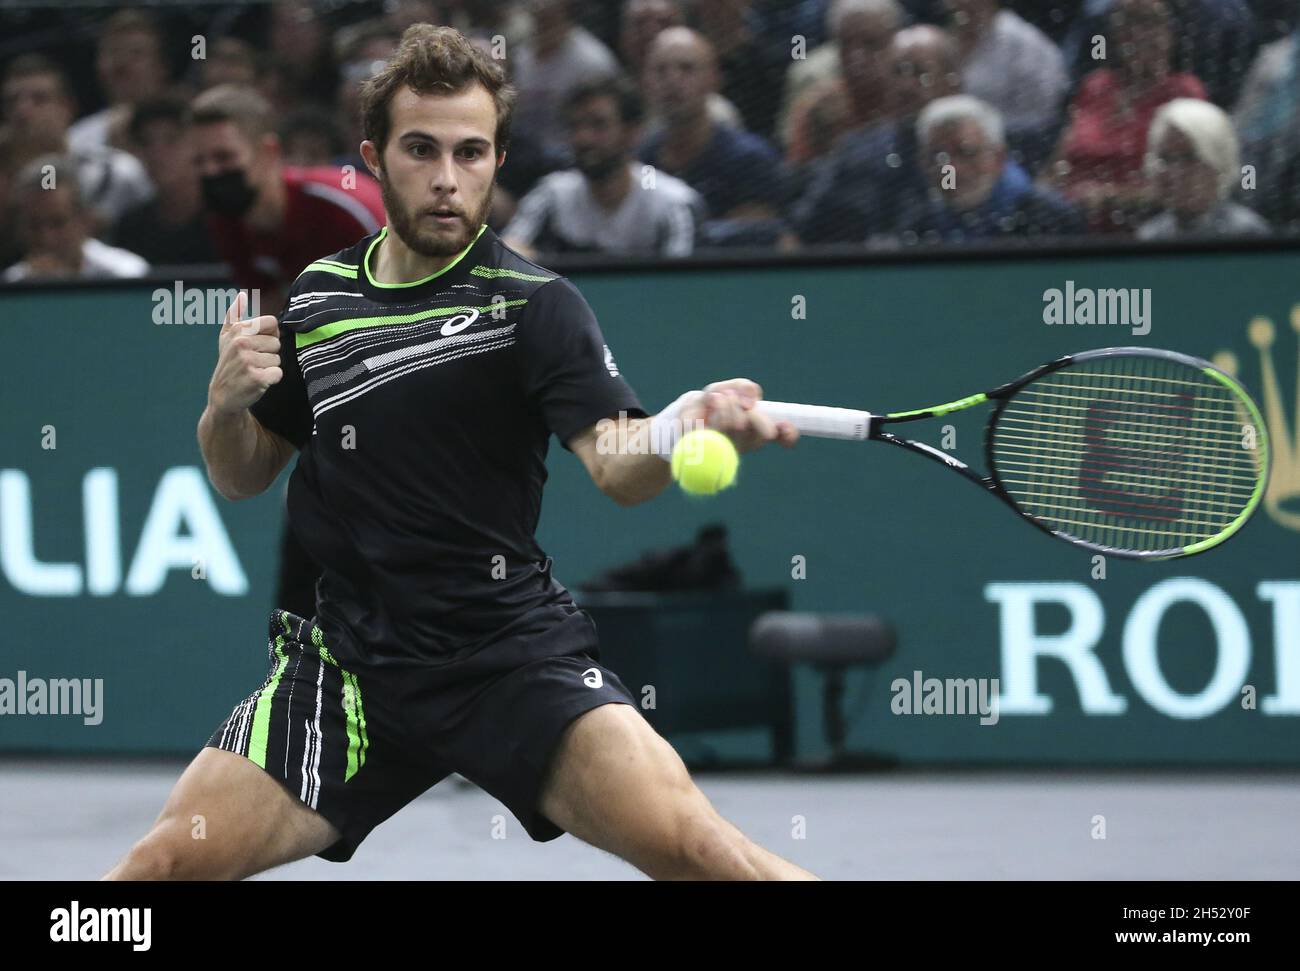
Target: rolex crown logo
1282	496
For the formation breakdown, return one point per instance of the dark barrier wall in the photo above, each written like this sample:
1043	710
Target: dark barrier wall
1112	662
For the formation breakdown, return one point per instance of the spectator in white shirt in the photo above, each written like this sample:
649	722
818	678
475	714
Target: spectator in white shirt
609	203
1008	63
54	228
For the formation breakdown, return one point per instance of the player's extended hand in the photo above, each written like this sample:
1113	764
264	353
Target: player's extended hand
728	406
248	359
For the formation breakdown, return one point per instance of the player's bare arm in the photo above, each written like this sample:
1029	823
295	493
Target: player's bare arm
636	473
242	457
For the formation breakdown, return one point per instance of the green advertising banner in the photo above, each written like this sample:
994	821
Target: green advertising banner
121	567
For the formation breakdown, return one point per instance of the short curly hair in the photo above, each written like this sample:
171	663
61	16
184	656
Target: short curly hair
434	60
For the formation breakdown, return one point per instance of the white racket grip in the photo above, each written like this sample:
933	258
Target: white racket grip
820	421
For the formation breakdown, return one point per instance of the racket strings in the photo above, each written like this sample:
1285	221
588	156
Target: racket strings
1117	441
1128	453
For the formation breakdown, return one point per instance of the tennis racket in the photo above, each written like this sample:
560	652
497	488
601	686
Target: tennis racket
1132	452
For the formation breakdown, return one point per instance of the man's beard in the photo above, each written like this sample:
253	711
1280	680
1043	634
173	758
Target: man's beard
598	168
427	242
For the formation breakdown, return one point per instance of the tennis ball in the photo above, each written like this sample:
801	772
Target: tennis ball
705	462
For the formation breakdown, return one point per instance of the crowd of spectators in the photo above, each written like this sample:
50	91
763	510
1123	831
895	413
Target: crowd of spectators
207	133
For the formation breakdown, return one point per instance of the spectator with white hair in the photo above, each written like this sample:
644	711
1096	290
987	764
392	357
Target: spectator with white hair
976	191
1194	163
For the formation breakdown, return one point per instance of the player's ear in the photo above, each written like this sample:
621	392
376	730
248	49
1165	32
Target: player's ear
370	155
501	158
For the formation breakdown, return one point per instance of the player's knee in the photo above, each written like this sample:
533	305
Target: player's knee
152	858
169	852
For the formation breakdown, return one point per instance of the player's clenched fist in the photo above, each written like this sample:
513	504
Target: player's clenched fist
248	360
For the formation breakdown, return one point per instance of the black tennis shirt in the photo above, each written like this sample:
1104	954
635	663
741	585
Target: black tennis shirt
423	413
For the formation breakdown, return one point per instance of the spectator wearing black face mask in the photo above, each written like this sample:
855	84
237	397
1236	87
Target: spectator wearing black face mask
269	220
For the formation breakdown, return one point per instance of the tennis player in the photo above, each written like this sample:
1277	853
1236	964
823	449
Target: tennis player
420	374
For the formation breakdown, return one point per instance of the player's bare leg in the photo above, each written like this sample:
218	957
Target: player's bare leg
249	823
616	784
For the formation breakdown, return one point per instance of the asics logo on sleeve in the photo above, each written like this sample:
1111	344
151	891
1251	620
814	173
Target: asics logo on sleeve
455	325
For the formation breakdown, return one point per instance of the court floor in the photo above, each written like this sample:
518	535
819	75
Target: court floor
66	819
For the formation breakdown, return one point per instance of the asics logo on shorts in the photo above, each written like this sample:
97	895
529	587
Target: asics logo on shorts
592	679
455	325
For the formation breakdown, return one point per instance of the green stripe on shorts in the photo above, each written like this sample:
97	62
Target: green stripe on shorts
262	715
357	739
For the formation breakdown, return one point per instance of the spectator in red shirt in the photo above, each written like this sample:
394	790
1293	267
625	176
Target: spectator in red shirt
268	221
1099	160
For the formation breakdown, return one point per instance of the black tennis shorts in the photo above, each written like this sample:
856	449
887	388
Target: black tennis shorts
356	743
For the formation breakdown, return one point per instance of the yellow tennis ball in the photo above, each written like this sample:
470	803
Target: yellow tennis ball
705	462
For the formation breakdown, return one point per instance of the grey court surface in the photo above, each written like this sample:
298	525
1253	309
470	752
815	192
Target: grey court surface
73	819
